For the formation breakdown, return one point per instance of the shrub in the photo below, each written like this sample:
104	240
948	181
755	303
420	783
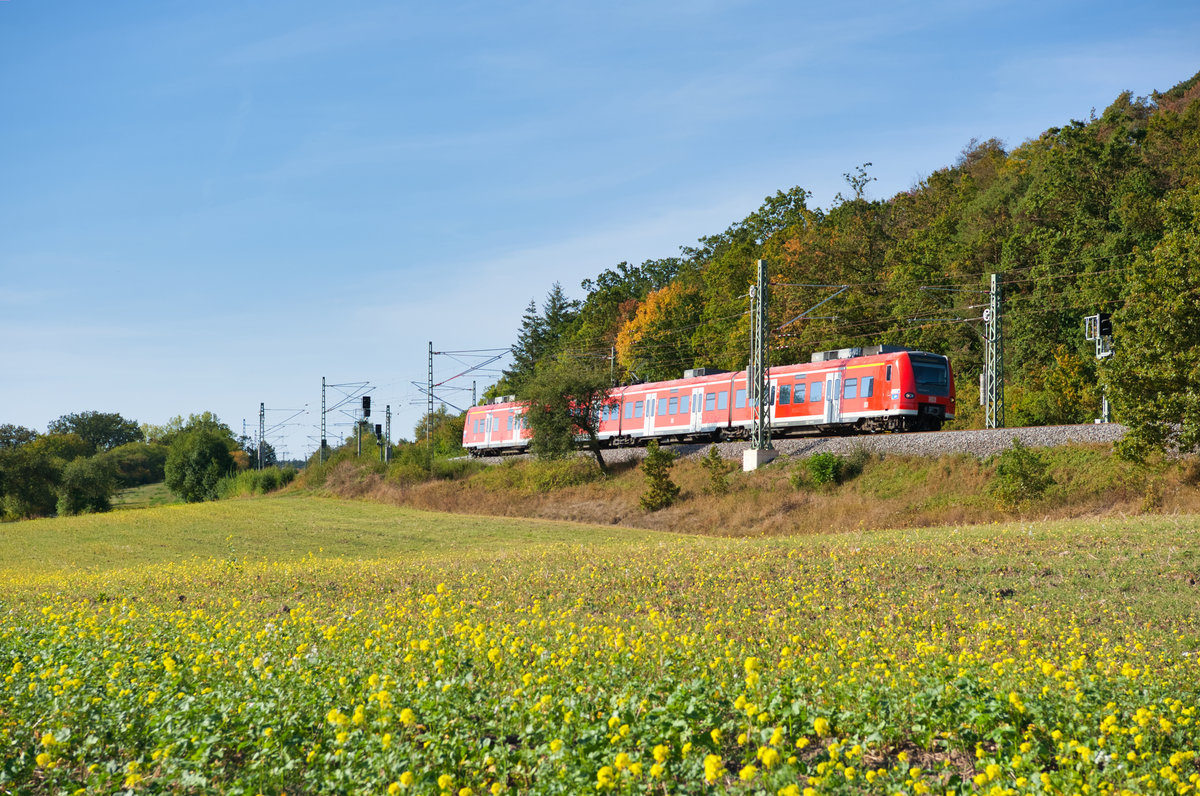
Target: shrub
87	485
196	462
661	491
718	471
1022	476
824	468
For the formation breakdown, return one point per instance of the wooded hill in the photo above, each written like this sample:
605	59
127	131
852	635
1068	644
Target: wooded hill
1076	221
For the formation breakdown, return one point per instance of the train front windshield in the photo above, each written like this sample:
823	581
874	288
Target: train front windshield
932	375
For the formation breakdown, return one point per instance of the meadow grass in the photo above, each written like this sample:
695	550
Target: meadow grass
144	497
307	645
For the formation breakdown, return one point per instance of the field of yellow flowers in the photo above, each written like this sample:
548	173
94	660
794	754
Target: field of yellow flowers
1027	658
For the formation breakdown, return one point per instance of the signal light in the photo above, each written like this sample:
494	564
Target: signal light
378	430
366	406
1105	324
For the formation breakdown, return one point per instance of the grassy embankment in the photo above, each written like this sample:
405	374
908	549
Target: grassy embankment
890	492
303	644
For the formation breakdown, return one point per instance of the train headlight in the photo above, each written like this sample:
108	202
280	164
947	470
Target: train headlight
909	396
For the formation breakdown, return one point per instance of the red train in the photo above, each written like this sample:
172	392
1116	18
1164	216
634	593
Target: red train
876	388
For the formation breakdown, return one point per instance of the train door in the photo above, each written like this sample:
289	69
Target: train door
487	429
697	409
833	398
649	427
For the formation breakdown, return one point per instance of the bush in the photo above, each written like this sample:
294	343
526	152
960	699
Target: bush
825	469
718	471
255	482
138	463
1022	476
87	485
196	463
661	491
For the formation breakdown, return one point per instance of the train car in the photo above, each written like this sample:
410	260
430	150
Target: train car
851	390
498	427
877	388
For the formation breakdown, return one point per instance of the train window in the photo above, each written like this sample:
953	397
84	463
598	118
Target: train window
850	388
684	403
710	401
785	394
817	387
637	409
510	419
800	390
673	407
888	375
739	399
628	411
723	400
868	387
650	407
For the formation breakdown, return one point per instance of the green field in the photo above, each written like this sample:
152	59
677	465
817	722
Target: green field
144	497
306	645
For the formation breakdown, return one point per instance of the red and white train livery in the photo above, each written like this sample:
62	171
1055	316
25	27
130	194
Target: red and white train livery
877	388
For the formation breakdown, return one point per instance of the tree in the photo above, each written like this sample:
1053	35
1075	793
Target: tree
136	463
661	491
540	336
445	430
12	436
87	485
196	461
1154	376
67	447
562	403
100	430
27	482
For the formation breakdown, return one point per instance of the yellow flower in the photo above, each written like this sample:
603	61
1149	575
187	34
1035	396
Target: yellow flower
445	781
43	759
821	727
48	739
407	716
747	773
661	752
556	744
713	768
393	789
622	761
407	778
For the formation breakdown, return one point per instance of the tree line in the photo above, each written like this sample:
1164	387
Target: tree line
1096	216
84	458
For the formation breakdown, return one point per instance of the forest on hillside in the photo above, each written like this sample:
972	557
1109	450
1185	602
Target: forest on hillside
1100	215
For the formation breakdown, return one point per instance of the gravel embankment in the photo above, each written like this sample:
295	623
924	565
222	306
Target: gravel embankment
978	443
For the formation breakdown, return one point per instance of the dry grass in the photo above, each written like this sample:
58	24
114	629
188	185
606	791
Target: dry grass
891	492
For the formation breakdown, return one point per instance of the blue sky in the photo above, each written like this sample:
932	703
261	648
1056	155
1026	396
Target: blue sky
205	206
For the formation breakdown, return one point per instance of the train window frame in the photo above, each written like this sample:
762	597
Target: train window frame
673	405
867	389
800	392
888	375
785	395
818	391
710	401
739	399
850	389
722	400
